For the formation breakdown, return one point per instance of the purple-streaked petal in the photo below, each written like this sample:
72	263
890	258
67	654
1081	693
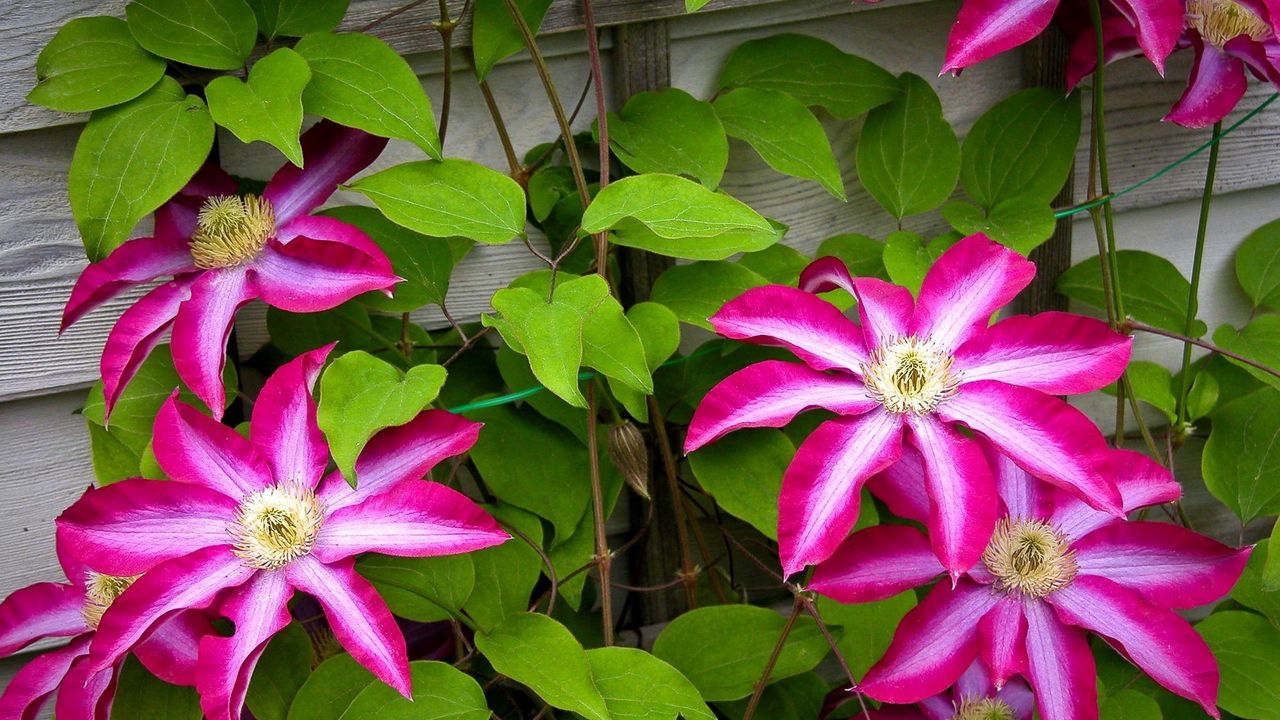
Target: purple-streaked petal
1261	57
1140	480
332	154
1168	565
1119	41
1060	666
310	275
1017	695
201	330
1154	638
171	652
135	334
901	486
824	274
1157	24
970	281
771	394
1217	83
1041	433
191	582
131	526
259	609
137	261
876	563
85	693
397	454
885	310
974	682
818	504
284	428
1002	640
812	328
359	618
986	28
413	519
962	495
933	645
30	687
1054	352
1021	494
40	611
193	448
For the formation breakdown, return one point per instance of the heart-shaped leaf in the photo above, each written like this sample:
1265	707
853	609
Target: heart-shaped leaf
93	63
295	18
268	106
217	34
670	131
785	133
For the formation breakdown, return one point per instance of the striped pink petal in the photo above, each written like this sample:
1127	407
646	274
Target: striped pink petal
1157	24
32	686
39	611
812	328
136	334
137	261
1217	83
970	281
1053	352
259	609
962	494
170	653
986	28
877	563
193	448
86	693
1002	640
1140	480
201	330
885	310
1060	666
284	429
326	264
332	154
901	486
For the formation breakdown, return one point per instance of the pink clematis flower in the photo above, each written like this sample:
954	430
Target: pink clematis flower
974	697
1227	36
986	28
245	522
920	367
1053	569
225	250
73	610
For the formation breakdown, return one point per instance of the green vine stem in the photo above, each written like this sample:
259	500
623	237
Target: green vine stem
1130	325
796	606
1193	297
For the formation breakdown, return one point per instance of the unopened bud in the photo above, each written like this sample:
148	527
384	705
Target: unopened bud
629	453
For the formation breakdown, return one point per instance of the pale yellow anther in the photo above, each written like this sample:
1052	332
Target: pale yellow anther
276	526
910	375
983	709
231	230
99	592
1029	557
1220	21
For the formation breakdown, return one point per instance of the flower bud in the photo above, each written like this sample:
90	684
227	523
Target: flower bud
628	451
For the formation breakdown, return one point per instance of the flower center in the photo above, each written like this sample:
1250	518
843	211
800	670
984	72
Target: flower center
983	709
910	375
99	592
1030	557
276	526
231	230
1219	21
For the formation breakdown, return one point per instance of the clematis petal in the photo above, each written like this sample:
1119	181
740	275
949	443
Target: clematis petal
974	682
170	653
137	261
1041	433
1168	565
818	504
824	274
30	688
876	563
397	454
413	519
1217	83
1155	639
901	486
1060	666
358	616
962	494
812	328
1262	58
259	609
39	611
885	310
1158	26
310	275
201	330
131	526
283	427
331	154
986	28
85	693
969	282
190	582
1119	41
136	333
1018	696
1140	480
177	217
193	448
771	394
1022	495
1054	352
1002	640
933	645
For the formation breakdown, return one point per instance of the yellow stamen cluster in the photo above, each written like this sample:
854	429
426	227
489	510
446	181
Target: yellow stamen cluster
231	230
276	526
1029	557
1220	21
99	592
983	709
910	375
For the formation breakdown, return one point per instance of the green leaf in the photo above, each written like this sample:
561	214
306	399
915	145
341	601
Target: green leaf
93	63
908	156
1259	341
360	395
796	697
359	81
142	696
673	216
1153	384
1202	397
638	685
779	264
577	550
695	292
217	34
723	649
1271	571
425	263
1129	705
670	131
295	18
1153	289
1241	461
610	343
1253	589
517	376
494	33
694	5
509	571
543	655
1019	223
329	690
863	255
132	158
1022	148
548	185
1257	265
743	470
425	589
785	133
866	629
440	692
113	461
659	330
281	671
813	71
1247	648
906	259
296	333
453	198
268	106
